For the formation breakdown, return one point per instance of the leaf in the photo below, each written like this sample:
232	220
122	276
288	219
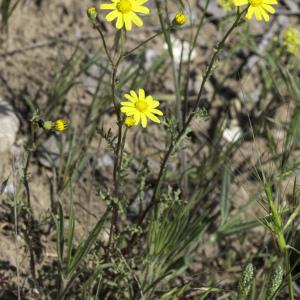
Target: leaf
225	196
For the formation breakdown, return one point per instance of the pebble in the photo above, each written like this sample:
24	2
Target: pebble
9	126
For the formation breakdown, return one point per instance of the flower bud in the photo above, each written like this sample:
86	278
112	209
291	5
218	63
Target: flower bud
129	121
92	13
180	19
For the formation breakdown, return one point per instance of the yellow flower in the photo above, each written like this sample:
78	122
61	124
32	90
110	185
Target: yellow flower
291	40
129	121
180	19
125	12
141	107
258	7
226	4
59	125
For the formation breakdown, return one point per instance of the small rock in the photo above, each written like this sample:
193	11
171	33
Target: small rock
233	134
137	206
9	126
181	50
104	161
48	152
150	56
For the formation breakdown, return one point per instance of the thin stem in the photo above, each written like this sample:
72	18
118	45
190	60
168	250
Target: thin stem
29	215
97	26
142	44
199	27
278	228
16	232
178	106
289	276
122	151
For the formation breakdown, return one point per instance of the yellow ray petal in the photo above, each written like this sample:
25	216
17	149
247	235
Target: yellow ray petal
157	112
152	117
264	14
130	98
112	15
127	21
137	117
134	95
140	9
257	14
129	111
144	120
141	94
240	2
250	12
136	19
268	8
125	103
153	104
120	22
275	2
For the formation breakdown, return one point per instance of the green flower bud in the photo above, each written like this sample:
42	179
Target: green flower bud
48	125
92	13
246	282
275	281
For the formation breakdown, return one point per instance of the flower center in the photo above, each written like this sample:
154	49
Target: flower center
141	105
256	2
124	6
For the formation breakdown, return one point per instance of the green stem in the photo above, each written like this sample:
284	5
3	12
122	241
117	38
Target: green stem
29	219
190	56
178	105
278	227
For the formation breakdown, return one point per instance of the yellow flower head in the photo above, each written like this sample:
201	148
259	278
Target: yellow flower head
259	8
125	12
59	125
141	107
180	19
129	121
291	40
226	4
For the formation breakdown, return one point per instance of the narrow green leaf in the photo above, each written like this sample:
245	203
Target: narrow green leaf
225	205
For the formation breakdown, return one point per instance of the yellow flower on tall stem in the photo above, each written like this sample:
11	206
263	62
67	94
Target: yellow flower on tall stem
125	12
259	8
141	107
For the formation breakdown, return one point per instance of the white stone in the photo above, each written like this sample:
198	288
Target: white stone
9	126
181	50
232	134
